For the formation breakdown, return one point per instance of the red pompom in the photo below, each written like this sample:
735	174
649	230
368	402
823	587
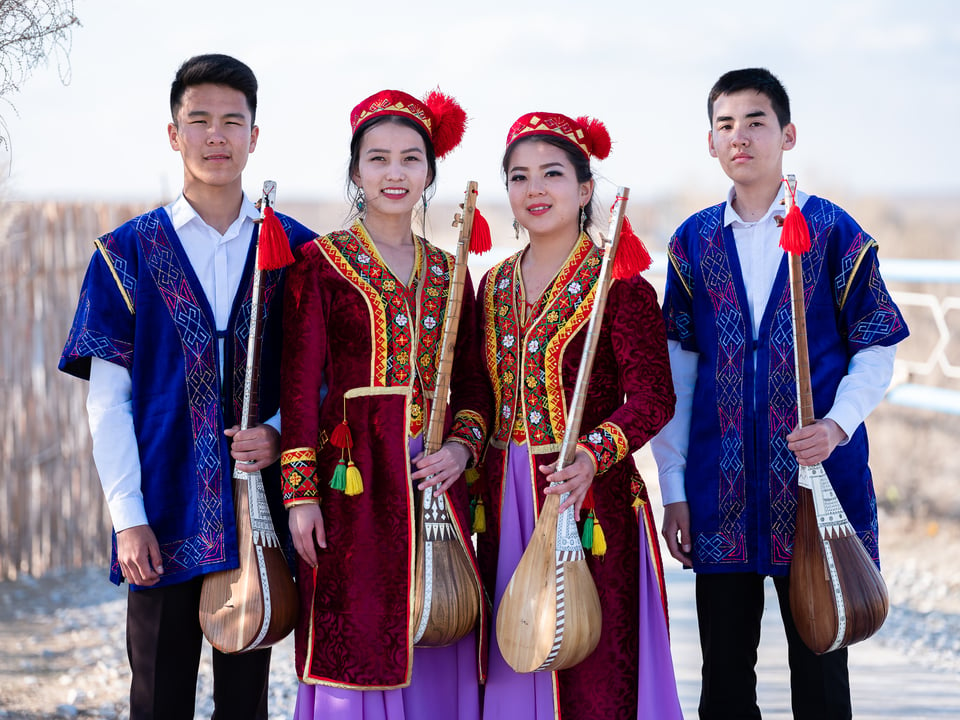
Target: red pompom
597	136
450	122
273	251
632	256
795	237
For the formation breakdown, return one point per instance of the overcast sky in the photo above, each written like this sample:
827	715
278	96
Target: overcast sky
875	88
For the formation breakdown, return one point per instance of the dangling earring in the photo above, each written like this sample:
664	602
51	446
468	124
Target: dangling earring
361	202
516	229
424	200
583	219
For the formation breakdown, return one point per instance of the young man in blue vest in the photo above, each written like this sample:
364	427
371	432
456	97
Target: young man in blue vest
160	332
728	460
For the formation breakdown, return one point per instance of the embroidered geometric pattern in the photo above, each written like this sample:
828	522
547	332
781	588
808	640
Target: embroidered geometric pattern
407	322
717	548
118	264
468	427
502	343
565	315
88	343
524	362
553	124
396	107
608	445
731	347
298	471
355	263
432	305
781	419
203	393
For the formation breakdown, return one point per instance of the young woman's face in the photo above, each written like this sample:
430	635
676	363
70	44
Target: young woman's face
542	185
392	168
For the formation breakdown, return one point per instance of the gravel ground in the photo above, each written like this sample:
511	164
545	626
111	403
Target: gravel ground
62	648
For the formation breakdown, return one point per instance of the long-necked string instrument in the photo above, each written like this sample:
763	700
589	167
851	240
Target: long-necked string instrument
447	592
837	596
255	605
549	617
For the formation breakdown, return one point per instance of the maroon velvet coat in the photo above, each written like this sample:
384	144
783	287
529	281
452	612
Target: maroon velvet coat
359	345
533	368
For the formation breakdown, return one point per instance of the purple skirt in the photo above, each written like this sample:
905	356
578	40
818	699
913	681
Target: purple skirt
533	696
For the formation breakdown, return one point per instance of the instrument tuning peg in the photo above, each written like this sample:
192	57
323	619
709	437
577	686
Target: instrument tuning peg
457	219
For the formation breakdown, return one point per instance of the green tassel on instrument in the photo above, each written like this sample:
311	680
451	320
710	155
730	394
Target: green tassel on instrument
339	479
587	537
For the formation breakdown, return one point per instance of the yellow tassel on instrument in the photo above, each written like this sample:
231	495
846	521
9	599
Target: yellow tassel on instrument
599	540
354	483
471	475
479	518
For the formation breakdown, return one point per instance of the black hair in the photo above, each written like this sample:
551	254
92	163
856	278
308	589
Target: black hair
759	79
215	70
352	188
580	162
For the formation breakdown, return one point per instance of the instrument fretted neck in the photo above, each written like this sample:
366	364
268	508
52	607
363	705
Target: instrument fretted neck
251	381
837	596
433	437
801	355
571	434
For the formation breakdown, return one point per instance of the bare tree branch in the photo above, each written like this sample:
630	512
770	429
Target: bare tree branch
31	31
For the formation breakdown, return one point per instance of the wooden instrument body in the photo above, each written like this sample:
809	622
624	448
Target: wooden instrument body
550	617
837	596
447	589
254	605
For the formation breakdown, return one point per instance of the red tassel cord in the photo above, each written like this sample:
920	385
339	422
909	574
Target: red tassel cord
632	255
273	252
341	436
480	241
795	236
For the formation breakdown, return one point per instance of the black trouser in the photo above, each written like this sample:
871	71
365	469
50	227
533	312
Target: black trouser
729	609
163	645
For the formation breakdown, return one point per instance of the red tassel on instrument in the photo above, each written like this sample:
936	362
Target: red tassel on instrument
795	236
274	251
480	241
632	255
341	436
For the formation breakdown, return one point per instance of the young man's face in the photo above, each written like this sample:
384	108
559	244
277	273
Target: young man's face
748	140
214	135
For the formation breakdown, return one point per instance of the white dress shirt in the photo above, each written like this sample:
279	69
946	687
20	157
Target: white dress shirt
218	261
758	249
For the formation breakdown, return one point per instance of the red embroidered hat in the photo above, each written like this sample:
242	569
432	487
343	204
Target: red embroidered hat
440	115
589	135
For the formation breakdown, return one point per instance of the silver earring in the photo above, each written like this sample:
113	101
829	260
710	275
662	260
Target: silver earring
516	229
583	219
424	201
361	202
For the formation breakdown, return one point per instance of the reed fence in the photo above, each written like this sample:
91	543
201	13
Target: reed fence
52	512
